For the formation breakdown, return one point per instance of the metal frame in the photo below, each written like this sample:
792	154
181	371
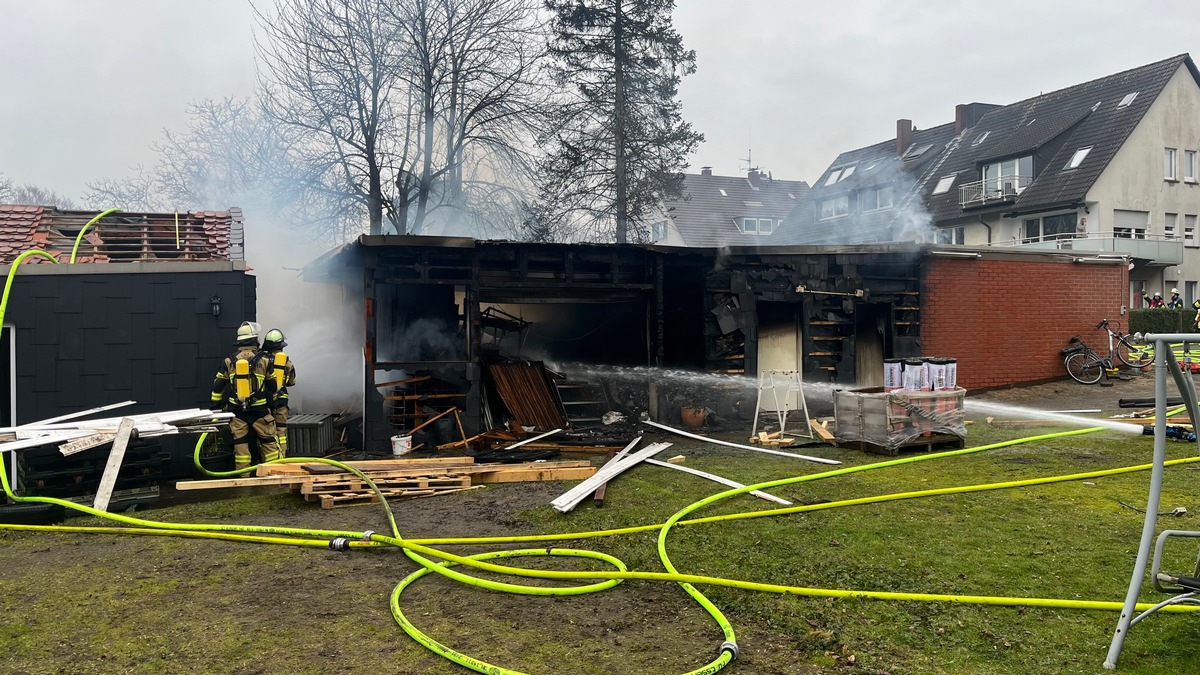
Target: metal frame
795	382
1162	364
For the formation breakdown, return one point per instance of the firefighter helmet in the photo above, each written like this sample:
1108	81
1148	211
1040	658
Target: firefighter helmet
1174	291
247	333
1157	294
274	339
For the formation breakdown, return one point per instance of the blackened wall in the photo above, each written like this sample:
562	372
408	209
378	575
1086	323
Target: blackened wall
85	340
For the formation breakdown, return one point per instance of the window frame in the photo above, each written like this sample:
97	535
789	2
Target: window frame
1189	231
939	190
1077	158
1189	166
1170	225
1170	161
873	192
834	200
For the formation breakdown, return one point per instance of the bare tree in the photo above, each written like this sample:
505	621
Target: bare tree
28	193
622	143
396	102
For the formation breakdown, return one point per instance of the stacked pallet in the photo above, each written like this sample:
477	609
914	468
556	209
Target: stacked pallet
396	478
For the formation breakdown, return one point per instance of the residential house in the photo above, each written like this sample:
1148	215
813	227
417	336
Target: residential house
145	314
726	210
1107	168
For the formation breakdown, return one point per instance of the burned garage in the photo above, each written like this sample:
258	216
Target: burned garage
549	336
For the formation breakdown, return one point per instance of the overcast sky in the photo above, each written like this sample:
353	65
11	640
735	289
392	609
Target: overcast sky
87	85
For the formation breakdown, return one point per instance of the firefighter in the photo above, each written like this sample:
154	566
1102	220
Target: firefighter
1175	302
243	388
283	371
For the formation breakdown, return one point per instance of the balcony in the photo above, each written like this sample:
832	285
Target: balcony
992	190
1159	250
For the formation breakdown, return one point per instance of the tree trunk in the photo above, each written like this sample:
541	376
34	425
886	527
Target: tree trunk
620	174
426	184
375	199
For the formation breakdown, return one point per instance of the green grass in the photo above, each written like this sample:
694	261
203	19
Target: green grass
93	604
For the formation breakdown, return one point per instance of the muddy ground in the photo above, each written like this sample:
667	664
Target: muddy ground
151	605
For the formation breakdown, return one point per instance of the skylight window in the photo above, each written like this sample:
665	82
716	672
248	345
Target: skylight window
839	174
752	203
980	138
1127	100
723	192
917	151
1077	158
943	185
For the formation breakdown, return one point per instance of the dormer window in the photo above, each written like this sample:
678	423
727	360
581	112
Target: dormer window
1007	178
877	198
761	226
834	207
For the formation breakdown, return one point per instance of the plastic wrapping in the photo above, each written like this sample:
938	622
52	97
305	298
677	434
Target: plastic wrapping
897	418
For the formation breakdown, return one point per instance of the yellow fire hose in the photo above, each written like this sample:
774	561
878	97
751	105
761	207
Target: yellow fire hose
421	551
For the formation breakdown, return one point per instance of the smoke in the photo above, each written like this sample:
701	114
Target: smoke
425	339
905	220
323	323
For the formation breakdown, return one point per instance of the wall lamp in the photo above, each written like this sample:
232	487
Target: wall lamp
956	254
215	303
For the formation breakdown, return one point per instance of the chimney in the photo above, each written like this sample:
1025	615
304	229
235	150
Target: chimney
904	131
753	176
706	171
961	122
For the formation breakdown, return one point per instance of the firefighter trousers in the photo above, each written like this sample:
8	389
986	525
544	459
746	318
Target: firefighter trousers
264	429
281	417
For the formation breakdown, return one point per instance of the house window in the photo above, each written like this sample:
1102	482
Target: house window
952	235
943	185
758	225
917	151
1007	178
1058	226
1127	100
1130	224
1169	224
1189	166
835	207
980	138
1077	158
877	198
1169	163
1189	230
658	231
1189	292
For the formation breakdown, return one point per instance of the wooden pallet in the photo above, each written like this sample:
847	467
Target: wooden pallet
341	500
918	444
356	484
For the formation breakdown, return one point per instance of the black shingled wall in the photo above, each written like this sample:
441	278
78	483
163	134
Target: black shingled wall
87	340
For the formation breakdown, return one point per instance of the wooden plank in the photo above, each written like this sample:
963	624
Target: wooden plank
86	443
718	479
533	475
357	484
219	483
571	498
108	480
530	440
717	441
334	502
820	430
306	468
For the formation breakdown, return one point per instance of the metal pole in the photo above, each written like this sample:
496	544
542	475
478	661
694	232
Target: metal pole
1161	345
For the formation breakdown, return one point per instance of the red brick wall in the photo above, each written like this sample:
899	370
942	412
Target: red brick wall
1006	320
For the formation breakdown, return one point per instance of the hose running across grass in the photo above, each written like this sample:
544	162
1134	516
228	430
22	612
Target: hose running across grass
433	560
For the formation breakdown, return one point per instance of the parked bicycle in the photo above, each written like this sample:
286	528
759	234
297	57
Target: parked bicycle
1128	350
1084	364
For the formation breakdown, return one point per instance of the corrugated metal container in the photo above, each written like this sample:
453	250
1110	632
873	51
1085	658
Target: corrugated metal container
310	435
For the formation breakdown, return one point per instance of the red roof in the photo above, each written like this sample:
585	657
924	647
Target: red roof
122	236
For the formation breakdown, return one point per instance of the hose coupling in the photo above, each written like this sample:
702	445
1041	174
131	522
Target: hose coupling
366	536
339	544
730	647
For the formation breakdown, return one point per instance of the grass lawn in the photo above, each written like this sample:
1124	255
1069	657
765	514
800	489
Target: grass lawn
76	603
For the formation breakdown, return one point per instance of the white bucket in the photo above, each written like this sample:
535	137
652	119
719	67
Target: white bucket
401	445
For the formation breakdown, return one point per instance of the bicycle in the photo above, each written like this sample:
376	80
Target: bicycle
1084	364
1127	349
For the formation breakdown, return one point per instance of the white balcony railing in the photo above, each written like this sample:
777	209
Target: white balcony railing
1001	189
1158	249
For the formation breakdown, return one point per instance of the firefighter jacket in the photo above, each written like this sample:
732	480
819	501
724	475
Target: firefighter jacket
261	388
284	376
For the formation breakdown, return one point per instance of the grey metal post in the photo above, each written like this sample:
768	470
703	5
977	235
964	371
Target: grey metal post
1161	348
